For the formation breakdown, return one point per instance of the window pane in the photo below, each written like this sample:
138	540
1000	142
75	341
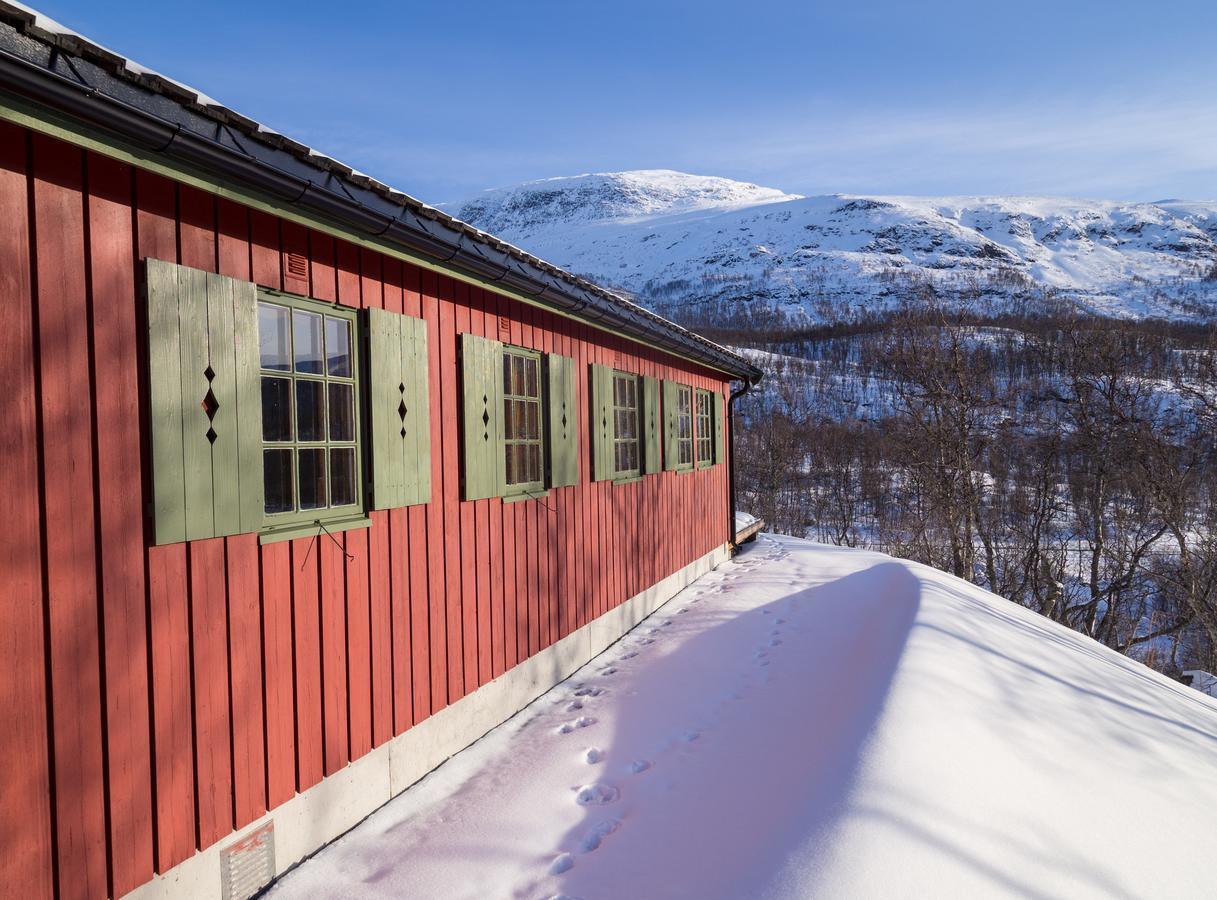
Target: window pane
342	412
509	419
312	478
534	386
520	414
310	410
306	330
276	409
534	462
517	375
274	342
277	477
338	346
509	453
533	419
507	373
342	476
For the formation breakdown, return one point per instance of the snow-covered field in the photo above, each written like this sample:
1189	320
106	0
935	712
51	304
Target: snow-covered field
812	721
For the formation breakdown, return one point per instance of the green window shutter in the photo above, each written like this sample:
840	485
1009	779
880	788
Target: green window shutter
651	425
563	420
720	454
481	392
206	404
602	422
670	452
400	410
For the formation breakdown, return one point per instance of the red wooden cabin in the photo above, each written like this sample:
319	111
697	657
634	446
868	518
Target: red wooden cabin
308	485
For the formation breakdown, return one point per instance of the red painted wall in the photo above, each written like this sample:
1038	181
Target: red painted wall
155	699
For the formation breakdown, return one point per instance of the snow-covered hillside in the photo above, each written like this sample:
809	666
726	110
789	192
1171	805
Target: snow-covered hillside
616	197
674	239
812	721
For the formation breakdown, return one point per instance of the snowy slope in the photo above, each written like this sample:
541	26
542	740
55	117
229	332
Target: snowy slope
675	239
810	721
554	203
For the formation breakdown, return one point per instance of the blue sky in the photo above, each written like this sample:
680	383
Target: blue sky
1070	98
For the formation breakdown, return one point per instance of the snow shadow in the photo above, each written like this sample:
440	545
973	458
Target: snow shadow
739	743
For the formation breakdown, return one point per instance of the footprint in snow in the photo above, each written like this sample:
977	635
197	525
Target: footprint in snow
593	756
574	706
589	692
581	722
562	863
591	840
775	642
638	766
629	655
596	794
647	641
611	670
690	736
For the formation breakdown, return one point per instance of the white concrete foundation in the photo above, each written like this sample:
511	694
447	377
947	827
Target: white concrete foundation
340	802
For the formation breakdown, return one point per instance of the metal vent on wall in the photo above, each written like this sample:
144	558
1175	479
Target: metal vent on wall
248	865
296	265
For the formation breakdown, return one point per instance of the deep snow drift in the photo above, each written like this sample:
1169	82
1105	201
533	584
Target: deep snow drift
814	721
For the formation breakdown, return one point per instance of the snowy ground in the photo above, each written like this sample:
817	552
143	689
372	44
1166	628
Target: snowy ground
811	721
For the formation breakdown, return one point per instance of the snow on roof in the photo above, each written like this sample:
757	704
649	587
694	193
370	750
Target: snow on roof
811	721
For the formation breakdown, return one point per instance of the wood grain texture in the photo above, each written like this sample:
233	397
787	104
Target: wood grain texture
114	302
68	498
25	801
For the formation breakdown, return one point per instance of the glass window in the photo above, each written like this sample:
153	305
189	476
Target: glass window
274	338
705	429
684	427
522	445
626	448
310	397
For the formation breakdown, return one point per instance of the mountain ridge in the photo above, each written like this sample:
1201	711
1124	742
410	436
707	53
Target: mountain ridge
672	239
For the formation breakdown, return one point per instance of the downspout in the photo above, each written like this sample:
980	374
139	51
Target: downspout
749	384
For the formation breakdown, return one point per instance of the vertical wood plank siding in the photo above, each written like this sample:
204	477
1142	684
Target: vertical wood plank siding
155	699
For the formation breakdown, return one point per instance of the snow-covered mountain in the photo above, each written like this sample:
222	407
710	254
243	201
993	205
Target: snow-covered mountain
674	239
618	197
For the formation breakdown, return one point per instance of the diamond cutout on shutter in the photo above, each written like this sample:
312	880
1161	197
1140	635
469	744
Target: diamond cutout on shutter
210	405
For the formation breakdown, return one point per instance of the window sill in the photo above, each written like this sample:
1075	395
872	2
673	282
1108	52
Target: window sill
527	495
627	479
310	529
